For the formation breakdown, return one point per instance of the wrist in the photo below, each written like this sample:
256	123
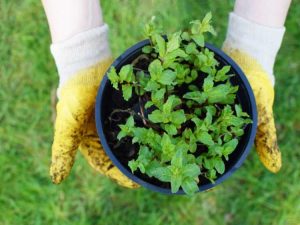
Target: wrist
260	42
80	52
67	18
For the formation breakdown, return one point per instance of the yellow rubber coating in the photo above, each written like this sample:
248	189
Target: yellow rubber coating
75	126
266	138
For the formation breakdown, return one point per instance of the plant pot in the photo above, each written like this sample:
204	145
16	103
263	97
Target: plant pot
109	99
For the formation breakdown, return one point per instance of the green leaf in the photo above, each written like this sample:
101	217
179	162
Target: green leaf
158	97
237	131
177	53
178	117
148	104
198	111
208	163
192	143
121	135
157	117
197	96
151	28
144	158
188	134
219	165
208	83
191	48
155	69
215	150
152	86
167	77
210	112
227	137
191	170
190	103
193	87
168	148
185	36
222	74
199	39
195	26
147	49
133	165
181	71
207	18
197	122
190	159
205	24
211	175
162	173
177	159
194	74
239	112
175	183
174	42
126	128
144	152
171	103
223	94
113	77
126	73
205	138
230	146
182	146
130	122
160	44
152	166
140	135
189	186
127	91
170	129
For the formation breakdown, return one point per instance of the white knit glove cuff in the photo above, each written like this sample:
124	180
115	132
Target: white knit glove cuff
81	51
261	42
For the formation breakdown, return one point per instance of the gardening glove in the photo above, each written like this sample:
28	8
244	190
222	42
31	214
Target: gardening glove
254	48
82	61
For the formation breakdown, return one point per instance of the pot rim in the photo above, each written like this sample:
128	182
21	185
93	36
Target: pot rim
115	161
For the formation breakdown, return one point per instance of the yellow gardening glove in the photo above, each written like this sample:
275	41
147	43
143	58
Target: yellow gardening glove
75	127
80	76
254	48
266	139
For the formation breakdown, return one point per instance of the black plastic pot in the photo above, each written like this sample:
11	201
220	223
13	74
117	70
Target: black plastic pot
109	99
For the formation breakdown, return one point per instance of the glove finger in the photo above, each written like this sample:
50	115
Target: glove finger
73	111
266	139
92	150
77	100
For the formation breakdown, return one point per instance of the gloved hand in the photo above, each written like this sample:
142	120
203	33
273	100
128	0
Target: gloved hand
82	61
254	48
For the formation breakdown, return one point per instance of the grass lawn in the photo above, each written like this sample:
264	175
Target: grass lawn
27	77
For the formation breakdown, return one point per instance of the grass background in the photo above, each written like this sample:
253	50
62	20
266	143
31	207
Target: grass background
27	77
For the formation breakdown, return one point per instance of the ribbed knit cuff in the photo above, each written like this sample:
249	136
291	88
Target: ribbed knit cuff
261	42
80	52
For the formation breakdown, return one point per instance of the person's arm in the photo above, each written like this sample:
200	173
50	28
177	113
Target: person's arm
257	27
69	17
254	36
265	12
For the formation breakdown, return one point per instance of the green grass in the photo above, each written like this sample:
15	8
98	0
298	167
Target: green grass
27	77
